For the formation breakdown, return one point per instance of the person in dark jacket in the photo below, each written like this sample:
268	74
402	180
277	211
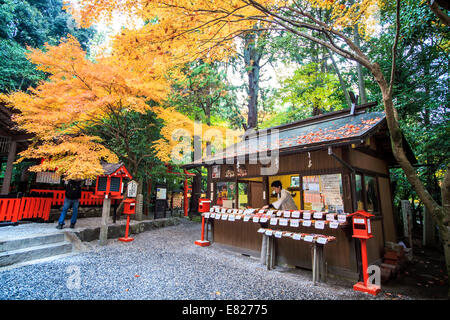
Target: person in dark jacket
72	199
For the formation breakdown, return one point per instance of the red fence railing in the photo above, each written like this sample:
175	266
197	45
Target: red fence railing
24	208
59	195
87	197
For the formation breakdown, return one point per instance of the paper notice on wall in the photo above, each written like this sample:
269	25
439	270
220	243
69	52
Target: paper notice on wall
317	206
331	188
243	199
48	177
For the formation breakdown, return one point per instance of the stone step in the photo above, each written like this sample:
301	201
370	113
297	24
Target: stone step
11	257
30	241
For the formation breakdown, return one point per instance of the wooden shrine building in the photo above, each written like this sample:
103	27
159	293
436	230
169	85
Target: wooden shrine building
337	162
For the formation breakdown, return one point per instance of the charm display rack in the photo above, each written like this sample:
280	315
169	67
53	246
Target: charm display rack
285	218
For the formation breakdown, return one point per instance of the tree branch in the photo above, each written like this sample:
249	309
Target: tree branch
394	48
443	17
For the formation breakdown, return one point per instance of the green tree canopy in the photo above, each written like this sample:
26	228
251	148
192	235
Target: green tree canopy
31	23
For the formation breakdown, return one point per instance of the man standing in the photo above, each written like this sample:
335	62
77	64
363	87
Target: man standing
285	201
72	199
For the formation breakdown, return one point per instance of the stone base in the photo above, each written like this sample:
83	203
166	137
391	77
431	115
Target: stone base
202	243
370	289
128	239
116	231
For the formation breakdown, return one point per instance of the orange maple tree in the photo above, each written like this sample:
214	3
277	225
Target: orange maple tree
81	93
78	94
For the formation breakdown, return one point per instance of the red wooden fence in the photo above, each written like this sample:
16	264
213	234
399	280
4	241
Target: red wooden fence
59	195
34	207
24	208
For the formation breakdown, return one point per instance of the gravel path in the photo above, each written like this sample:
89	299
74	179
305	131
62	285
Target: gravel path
164	264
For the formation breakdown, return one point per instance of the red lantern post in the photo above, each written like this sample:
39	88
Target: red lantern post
362	230
129	208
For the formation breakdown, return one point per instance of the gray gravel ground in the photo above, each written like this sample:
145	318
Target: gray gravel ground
165	264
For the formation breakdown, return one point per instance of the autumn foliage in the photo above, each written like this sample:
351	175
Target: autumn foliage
78	94
81	93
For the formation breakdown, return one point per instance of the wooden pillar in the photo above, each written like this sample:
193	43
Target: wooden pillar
428	229
9	167
263	250
185	197
407	221
208	184
236	191
104	222
266	190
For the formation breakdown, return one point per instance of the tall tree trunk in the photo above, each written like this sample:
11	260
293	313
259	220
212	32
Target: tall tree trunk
427	122
441	215
252	59
361	84
341	79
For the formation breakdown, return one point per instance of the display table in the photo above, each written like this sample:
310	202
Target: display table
243	229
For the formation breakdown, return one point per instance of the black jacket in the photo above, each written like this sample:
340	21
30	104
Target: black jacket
73	190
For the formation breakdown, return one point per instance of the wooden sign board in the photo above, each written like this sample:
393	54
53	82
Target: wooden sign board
132	189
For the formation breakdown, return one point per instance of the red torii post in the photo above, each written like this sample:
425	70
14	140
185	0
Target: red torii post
185	191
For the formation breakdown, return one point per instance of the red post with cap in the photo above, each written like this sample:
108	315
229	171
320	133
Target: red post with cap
203	206
129	208
362	230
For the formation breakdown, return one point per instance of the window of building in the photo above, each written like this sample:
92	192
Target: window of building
359	192
367	193
323	193
370	186
243	195
226	194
